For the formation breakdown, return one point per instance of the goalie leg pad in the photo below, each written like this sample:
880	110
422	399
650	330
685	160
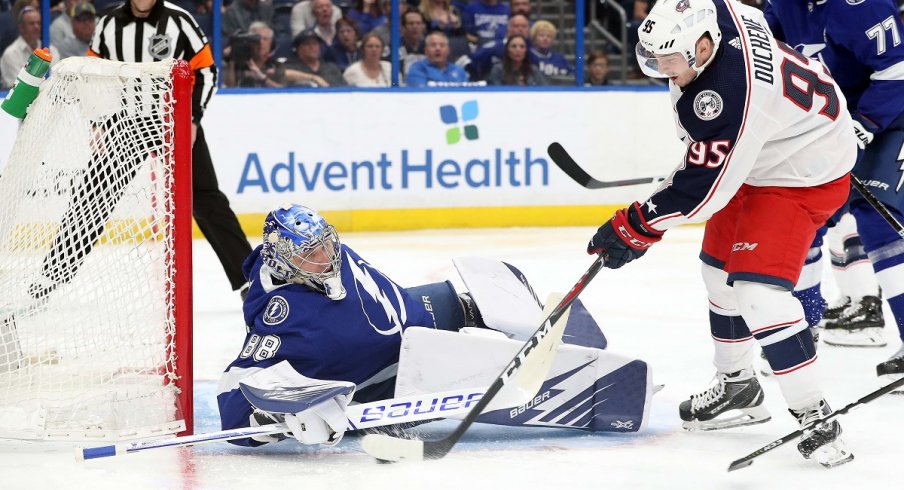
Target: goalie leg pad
586	388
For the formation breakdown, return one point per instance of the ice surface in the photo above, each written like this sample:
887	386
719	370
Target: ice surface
654	309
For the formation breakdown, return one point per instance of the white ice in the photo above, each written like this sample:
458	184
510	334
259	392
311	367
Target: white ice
653	309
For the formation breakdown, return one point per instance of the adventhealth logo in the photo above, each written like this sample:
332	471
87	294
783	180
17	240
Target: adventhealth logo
449	116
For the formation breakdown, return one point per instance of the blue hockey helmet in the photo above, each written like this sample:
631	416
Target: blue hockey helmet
301	247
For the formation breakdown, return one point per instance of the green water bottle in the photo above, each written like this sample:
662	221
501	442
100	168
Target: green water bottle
29	79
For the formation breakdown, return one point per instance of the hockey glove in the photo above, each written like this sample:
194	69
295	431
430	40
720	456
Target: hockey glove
623	238
473	318
324	423
864	136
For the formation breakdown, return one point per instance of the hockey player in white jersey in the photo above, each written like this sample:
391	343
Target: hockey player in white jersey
769	151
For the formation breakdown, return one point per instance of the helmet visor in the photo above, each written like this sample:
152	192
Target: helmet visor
660	65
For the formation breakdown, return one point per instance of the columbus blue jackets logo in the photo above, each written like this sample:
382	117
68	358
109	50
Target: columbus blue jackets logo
381	301
276	311
708	105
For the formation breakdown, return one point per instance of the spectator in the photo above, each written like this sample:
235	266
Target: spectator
481	62
303	16
384	30
61	27
324	25
16	54
254	65
436	69
551	63
83	19
597	69
482	18
515	67
367	14
344	50
239	15
308	67
440	15
370	70
412	46
522	7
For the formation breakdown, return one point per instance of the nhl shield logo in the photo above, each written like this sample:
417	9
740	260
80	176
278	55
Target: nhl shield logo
708	105
160	46
682	5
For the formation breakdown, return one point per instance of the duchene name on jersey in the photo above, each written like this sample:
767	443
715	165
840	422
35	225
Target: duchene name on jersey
761	48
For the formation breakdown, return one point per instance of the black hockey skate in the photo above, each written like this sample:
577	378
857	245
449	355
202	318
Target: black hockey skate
859	325
735	400
893	368
823	442
834	310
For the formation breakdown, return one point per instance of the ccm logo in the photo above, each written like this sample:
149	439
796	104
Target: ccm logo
742	246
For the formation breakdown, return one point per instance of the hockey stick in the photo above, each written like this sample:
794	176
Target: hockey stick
387	448
564	161
877	205
748	460
394	411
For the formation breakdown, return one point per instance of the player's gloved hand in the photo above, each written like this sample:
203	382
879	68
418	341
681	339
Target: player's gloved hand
473	318
324	423
864	136
623	238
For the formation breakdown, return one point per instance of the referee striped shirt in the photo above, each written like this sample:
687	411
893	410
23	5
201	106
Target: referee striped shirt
167	32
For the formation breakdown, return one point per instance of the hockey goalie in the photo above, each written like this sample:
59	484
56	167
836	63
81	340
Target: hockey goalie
326	329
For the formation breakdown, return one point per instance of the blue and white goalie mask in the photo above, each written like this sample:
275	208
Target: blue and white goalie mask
301	247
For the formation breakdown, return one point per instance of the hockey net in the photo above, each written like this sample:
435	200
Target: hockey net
95	256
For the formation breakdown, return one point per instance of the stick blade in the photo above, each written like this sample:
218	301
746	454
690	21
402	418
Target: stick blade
739	464
388	448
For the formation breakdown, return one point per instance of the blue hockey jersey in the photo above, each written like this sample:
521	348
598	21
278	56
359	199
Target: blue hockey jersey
355	339
859	41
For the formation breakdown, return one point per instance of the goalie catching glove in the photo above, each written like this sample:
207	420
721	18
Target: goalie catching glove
623	238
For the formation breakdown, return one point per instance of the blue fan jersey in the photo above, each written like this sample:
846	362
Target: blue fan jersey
859	41
355	339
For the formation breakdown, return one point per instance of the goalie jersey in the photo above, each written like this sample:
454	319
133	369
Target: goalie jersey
354	339
859	41
760	114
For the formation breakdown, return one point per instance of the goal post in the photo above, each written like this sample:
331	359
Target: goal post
95	256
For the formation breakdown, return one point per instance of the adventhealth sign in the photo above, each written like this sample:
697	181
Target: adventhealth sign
423	169
436	158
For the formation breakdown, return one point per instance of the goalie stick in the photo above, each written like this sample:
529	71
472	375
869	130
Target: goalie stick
386	448
748	460
564	161
877	205
380	413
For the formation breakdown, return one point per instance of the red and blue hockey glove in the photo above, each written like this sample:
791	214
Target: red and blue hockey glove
623	238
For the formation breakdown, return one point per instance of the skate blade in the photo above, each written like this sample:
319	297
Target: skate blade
832	455
749	416
865	337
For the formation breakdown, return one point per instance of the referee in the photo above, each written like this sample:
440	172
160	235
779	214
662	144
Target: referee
154	30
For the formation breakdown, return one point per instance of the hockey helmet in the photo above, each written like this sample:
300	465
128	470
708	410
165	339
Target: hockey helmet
301	247
669	34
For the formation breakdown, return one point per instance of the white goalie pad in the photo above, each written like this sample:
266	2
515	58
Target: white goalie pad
508	303
586	388
503	295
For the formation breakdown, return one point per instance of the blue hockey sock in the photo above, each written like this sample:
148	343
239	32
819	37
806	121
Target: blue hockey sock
886	252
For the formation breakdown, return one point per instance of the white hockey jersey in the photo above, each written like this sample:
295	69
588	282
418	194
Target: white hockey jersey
760	114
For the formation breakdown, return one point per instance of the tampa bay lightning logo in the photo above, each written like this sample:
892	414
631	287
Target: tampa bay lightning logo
381	301
276	311
708	105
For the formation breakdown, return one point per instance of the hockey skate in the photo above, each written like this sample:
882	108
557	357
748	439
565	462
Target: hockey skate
735	400
860	324
892	369
823	442
834	310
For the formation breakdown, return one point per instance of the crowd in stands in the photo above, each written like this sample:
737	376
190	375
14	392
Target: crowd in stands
330	43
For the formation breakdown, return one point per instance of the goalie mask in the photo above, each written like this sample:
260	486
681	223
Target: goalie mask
302	248
669	34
